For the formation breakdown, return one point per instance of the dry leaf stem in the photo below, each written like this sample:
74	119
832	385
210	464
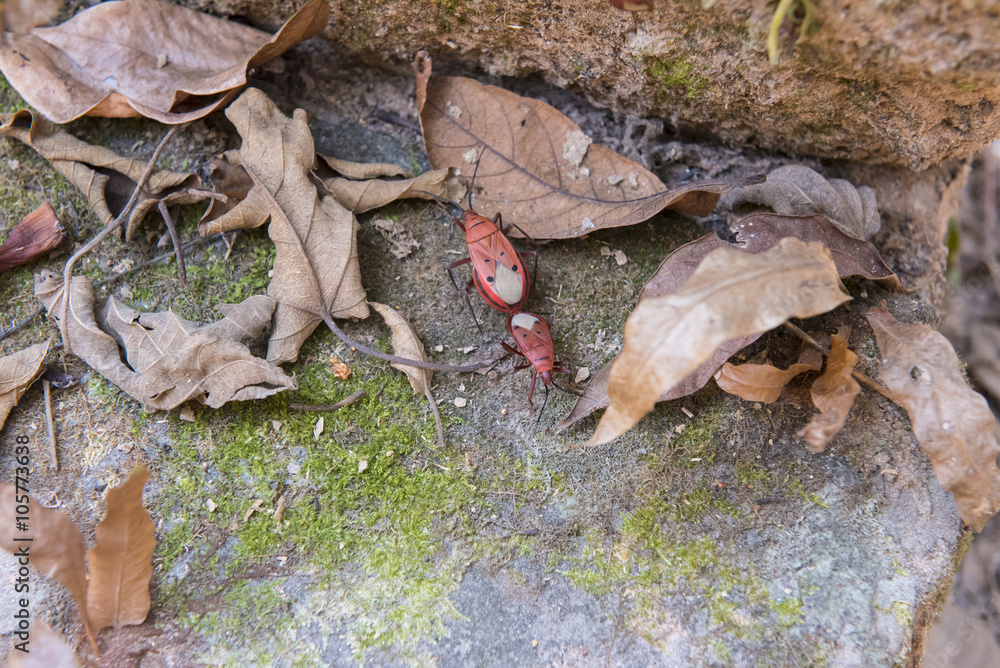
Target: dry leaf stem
172	229
324	313
49	426
330	407
113	226
875	385
437	415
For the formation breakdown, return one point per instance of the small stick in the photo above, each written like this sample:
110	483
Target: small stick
854	372
330	407
14	329
172	229
103	234
188	245
437	415
47	394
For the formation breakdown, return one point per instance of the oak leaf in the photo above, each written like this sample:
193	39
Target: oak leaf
314	235
121	562
833	393
56	546
102	175
144	58
168	360
731	294
796	190
953	423
537	167
755	233
764	382
37	233
17	372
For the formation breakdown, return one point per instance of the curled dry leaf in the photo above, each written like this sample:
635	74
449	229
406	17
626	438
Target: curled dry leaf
756	233
169	360
38	233
314	236
405	343
17	373
401	242
796	190
144	58
731	294
764	382
537	167
102	175
45	650
56	545
952	423
121	563
833	393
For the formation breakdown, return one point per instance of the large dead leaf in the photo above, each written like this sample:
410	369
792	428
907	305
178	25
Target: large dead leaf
17	373
37	233
952	423
45	650
102	175
368	194
731	294
796	190
168	360
121	563
54	544
756	233
313	235
144	58
537	167
764	382
833	394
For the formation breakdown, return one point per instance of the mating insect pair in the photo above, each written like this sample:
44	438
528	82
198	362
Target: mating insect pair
501	278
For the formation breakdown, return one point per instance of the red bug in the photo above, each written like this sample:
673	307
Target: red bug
534	341
498	270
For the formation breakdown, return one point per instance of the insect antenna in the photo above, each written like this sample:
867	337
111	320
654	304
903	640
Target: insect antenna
472	183
441	200
544	402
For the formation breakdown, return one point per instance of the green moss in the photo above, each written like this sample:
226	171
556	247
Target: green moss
696	444
674	74
753	475
788	611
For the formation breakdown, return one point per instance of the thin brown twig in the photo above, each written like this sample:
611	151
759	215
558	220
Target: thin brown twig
49	426
330	407
437	415
103	234
21	325
187	245
873	384
178	251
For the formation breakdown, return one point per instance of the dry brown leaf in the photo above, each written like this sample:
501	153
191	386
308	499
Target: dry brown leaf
952	423
102	175
339	369
121	562
833	393
401	242
537	167
144	58
20	16
45	650
56	546
308	231
38	233
169	360
796	190
732	294
757	233
406	344
17	373
230	179
359	171
763	382
361	196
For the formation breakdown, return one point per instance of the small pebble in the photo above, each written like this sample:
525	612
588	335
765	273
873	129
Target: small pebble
582	374
460	402
362	466
212	505
439	348
620	258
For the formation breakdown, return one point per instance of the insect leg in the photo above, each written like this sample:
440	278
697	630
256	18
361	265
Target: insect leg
468	302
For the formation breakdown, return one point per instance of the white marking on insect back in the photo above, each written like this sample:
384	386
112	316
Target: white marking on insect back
508	284
523	320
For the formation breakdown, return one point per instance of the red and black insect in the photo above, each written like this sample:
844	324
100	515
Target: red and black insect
534	341
498	270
